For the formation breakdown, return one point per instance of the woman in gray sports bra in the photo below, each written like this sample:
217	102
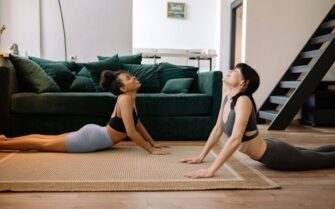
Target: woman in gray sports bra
237	119
92	137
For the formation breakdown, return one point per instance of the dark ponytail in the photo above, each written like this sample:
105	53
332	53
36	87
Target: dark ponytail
110	81
250	75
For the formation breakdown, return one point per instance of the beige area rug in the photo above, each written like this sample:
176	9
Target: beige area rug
123	168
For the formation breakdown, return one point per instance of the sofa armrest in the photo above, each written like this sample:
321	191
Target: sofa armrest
8	86
210	83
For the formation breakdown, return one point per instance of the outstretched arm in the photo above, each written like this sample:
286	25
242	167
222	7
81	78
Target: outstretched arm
141	129
127	117
211	141
243	110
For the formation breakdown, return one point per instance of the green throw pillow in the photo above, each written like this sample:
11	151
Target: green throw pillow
177	85
72	66
146	74
32	77
127	59
59	73
82	82
167	71
96	68
79	66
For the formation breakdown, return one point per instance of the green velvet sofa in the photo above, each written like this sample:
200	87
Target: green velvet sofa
189	115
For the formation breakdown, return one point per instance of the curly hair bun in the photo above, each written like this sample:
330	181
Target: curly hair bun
107	78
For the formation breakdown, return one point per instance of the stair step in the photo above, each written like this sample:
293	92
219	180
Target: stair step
301	69
279	99
311	54
329	24
290	84
324	38
268	114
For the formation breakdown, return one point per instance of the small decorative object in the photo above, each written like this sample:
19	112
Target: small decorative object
14	49
176	10
2	29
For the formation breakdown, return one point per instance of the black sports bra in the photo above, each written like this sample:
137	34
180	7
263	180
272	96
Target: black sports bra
117	122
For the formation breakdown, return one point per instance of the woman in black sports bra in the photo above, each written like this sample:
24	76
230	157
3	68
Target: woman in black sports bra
124	120
237	119
91	137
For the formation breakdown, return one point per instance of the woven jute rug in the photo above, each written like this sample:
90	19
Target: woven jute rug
123	168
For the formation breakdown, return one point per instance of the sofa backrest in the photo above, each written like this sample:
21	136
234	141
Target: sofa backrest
153	77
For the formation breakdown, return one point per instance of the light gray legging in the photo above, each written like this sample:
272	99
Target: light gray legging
282	156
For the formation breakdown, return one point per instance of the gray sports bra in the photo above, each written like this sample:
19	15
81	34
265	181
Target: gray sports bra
229	124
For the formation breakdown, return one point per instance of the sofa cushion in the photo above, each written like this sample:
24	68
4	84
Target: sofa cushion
127	59
31	76
102	104
60	74
167	71
146	74
96	68
82	82
158	104
177	85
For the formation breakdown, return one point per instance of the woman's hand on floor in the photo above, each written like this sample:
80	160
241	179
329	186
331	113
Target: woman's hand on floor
156	145
201	173
160	151
191	160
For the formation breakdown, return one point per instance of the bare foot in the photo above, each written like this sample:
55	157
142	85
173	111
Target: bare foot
3	138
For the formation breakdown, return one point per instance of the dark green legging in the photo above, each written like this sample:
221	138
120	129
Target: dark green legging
282	156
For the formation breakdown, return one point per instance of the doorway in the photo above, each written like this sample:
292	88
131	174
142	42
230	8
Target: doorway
236	33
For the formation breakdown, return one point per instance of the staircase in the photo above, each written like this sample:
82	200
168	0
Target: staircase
302	77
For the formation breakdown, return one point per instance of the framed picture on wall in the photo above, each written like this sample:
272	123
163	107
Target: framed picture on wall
176	10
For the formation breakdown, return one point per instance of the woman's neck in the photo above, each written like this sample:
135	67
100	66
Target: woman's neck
232	91
132	95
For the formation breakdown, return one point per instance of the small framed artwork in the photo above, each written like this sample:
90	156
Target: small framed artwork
176	10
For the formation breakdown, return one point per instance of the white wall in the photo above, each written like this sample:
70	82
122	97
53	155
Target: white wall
21	18
52	41
100	27
153	29
275	33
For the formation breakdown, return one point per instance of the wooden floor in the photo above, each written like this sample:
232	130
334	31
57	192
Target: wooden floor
309	189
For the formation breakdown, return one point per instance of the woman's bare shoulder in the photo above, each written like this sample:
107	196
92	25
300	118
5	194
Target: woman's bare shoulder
243	102
125	102
123	98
